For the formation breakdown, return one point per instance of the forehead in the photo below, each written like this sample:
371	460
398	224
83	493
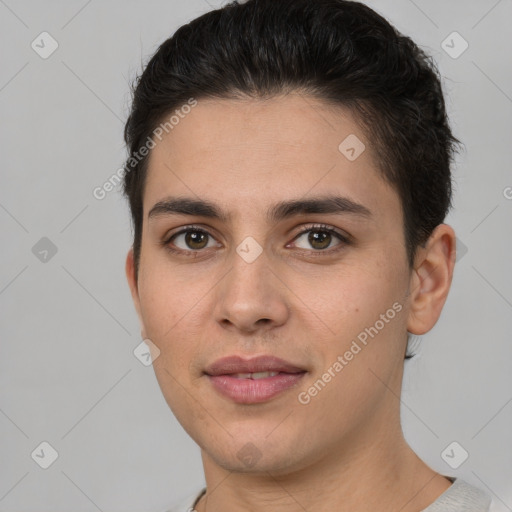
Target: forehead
246	154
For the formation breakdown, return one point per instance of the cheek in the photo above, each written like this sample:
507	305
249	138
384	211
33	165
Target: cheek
165	311
366	316
346	300
168	296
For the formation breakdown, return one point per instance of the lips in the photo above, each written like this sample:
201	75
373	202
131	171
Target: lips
237	365
253	381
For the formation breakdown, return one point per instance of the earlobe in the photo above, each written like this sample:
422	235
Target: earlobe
130	272
431	280
132	283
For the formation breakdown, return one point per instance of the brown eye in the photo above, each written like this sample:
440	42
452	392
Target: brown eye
190	240
196	239
319	239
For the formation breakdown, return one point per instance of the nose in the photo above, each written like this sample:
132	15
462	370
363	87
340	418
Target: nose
251	297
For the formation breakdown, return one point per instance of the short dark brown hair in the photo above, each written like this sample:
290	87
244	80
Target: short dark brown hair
338	51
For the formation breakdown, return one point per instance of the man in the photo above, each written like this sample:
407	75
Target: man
288	178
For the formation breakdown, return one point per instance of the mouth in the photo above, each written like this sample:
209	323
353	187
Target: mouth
237	365
253	381
255	376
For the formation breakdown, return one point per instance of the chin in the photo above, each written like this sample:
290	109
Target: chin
257	455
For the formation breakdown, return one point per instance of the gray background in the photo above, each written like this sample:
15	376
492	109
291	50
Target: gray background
68	327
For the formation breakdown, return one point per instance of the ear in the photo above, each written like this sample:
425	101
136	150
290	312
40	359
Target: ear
431	279
133	284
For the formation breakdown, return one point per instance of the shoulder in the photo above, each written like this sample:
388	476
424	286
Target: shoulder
187	504
461	497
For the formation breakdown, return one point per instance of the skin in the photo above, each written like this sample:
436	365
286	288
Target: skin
344	450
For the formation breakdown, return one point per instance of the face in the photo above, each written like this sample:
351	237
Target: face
288	247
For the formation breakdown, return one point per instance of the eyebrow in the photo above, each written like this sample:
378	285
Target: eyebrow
280	211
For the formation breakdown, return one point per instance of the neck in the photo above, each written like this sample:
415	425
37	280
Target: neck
369	472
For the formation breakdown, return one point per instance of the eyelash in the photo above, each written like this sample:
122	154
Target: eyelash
345	240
